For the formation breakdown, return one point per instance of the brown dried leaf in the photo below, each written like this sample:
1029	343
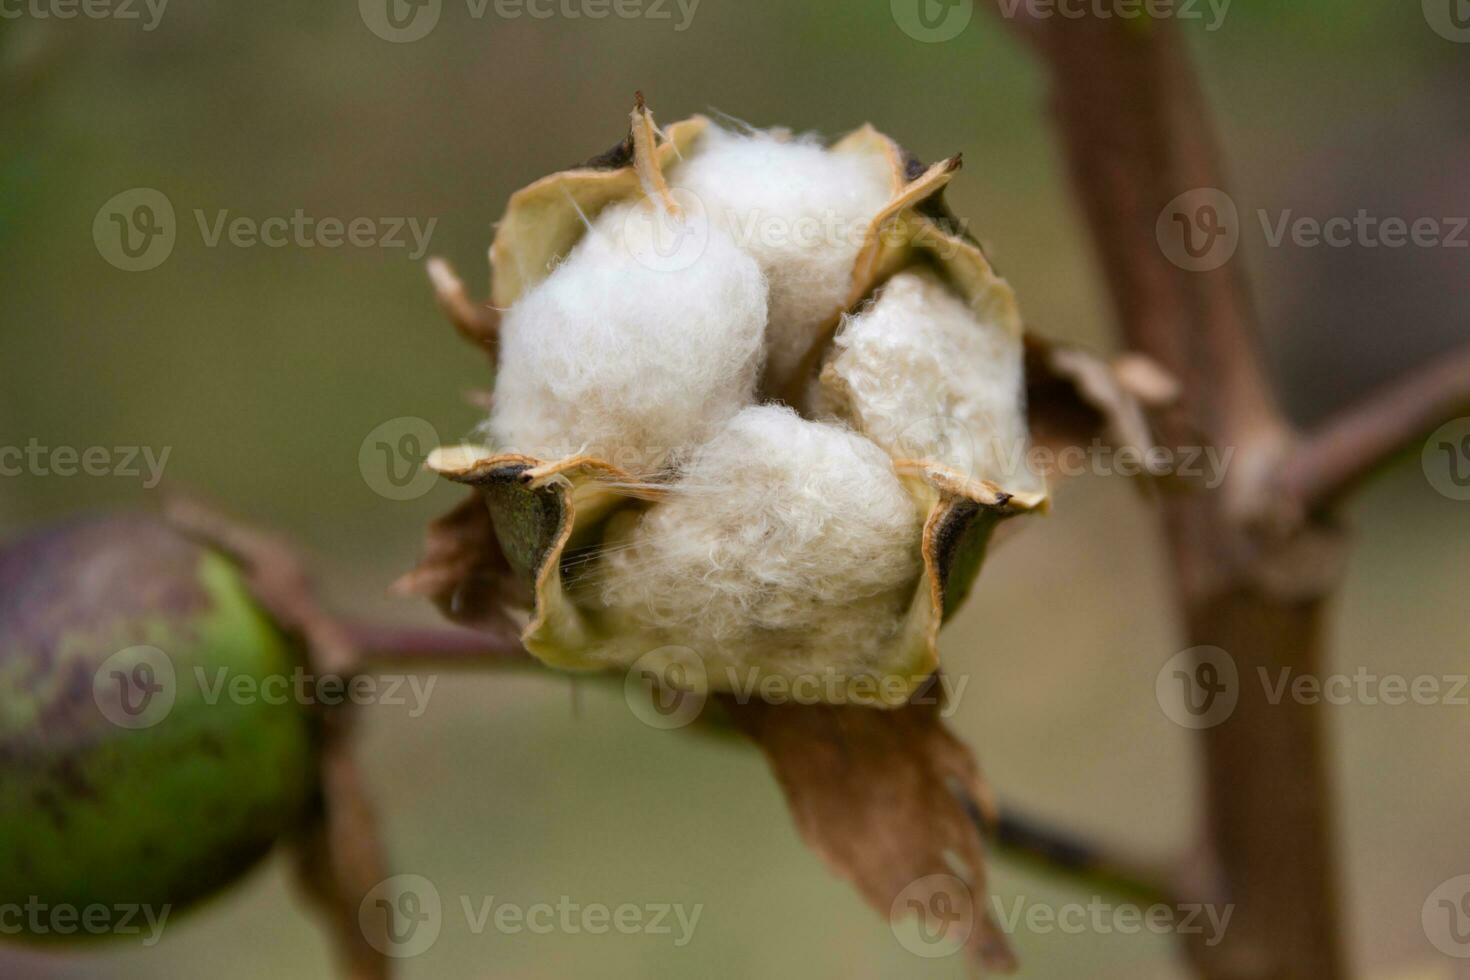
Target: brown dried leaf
465	572
1074	396
891	800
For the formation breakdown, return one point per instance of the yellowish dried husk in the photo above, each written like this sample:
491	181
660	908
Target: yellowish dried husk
542	222
543	512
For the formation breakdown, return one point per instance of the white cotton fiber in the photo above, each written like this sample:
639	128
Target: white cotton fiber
924	377
802	211
785	543
628	351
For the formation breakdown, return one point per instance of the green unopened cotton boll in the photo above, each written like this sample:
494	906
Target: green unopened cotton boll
129	773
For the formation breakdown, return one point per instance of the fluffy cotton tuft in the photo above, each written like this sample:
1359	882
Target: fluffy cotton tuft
785	543
802	211
924	377
630	351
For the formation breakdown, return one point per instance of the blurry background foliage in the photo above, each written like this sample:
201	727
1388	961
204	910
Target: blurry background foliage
264	369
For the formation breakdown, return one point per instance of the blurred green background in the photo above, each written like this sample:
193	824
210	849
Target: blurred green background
263	370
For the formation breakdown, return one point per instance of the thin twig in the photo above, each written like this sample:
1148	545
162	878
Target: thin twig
339	858
476	322
409	647
1352	444
1012	833
1059	851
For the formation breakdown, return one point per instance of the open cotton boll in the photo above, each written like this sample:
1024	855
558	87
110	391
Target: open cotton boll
802	211
785	544
924	377
626	353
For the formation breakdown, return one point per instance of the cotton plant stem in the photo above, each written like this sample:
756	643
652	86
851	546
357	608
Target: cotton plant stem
339	859
1137	134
